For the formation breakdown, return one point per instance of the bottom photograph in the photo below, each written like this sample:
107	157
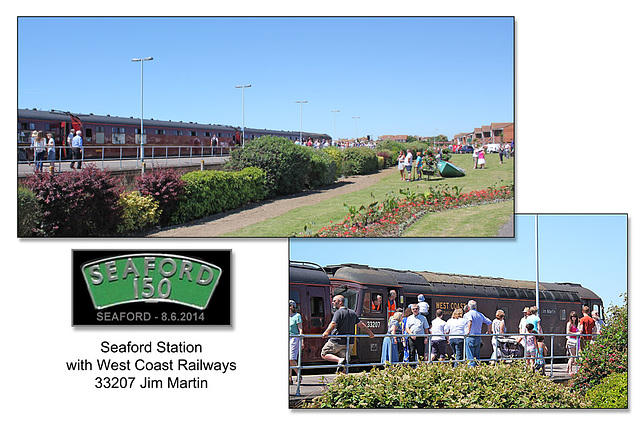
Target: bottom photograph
538	321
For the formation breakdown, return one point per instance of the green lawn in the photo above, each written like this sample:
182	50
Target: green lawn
319	215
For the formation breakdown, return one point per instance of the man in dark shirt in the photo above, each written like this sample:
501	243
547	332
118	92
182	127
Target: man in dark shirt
343	322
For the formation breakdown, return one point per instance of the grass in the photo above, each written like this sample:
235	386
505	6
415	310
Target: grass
320	214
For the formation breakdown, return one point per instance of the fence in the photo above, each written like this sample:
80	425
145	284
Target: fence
428	338
129	156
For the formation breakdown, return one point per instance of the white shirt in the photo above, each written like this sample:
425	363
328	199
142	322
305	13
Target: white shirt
408	159
437	328
456	326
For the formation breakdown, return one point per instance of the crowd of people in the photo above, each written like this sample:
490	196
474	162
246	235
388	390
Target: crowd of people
323	143
44	149
409	334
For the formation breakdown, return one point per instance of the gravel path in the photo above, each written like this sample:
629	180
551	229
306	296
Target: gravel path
256	212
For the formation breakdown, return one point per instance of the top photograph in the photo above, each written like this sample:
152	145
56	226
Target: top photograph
185	127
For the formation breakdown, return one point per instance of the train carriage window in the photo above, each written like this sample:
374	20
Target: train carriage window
160	132
177	132
207	134
563	314
194	133
317	311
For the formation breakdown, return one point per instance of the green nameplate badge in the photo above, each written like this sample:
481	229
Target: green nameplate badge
151	278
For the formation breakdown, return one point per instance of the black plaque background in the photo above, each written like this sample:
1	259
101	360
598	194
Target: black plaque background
218	311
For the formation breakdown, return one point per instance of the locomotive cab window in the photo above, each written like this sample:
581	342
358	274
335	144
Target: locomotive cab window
373	302
350	298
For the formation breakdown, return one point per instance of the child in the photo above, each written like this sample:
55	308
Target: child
419	166
541	351
529	343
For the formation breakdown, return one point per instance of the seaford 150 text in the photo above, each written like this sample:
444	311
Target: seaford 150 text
143	285
160	347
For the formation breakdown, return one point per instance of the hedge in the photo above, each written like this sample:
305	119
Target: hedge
210	192
359	161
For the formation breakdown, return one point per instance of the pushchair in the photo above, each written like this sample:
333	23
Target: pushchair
509	349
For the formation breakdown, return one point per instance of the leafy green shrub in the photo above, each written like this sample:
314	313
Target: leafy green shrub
390	158
82	203
209	192
442	386
286	164
138	212
359	161
29	213
336	154
322	170
607	354
612	392
166	187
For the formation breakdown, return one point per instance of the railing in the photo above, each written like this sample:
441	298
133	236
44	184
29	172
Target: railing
121	153
428	338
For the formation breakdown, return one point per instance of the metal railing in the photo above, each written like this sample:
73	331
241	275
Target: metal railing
428	339
125	153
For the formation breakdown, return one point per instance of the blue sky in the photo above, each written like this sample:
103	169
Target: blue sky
399	75
587	249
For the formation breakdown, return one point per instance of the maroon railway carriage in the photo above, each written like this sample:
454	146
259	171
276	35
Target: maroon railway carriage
119	136
361	284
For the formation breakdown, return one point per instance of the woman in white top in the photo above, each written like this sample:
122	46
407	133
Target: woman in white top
51	148
497	327
401	165
39	144
455	327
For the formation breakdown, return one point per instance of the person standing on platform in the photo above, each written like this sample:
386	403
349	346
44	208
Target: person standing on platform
417	324
534	319
438	340
76	150
295	342
474	327
586	325
51	149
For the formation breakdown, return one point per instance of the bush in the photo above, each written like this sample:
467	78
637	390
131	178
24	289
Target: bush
29	213
322	170
166	187
138	212
612	392
336	155
607	354
82	203
359	161
390	159
442	386
286	164
210	192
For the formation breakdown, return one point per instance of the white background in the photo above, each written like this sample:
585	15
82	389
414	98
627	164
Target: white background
576	137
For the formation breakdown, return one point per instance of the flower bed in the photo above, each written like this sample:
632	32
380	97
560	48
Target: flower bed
390	217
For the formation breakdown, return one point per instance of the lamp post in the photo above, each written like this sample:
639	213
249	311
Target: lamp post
356	126
141	61
242	87
334	121
301	102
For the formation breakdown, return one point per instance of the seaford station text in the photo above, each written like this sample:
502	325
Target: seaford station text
149	347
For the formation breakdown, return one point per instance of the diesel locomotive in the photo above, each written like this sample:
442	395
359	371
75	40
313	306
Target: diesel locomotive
313	287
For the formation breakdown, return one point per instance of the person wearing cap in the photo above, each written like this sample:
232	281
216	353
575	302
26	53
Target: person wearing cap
423	306
295	342
76	150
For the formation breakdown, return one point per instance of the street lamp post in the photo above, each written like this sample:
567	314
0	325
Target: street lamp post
242	87
334	121
301	102
141	61
356	125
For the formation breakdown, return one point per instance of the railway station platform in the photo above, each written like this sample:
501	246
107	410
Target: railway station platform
132	166
313	385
